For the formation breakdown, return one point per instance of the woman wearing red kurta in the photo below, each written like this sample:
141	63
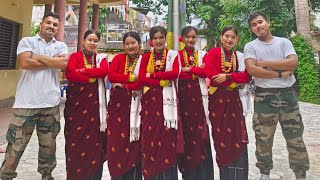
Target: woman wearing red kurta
124	157
225	107
159	113
85	111
196	162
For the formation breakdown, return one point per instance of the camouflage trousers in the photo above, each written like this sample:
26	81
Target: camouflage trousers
270	106
46	121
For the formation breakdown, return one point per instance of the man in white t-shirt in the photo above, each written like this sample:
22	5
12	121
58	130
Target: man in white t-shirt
37	99
271	61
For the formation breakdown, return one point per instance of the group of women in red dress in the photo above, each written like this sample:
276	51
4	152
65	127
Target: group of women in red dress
161	113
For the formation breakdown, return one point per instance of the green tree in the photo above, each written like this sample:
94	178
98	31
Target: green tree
214	14
314	5
236	12
303	18
208	12
307	73
102	28
154	6
34	29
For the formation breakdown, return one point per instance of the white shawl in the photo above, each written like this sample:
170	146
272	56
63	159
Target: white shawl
244	93
135	108
203	87
169	93
102	95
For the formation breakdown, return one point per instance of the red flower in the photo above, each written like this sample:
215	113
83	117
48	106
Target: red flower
150	43
180	38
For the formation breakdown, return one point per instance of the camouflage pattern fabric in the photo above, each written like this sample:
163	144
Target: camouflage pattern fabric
46	121
270	106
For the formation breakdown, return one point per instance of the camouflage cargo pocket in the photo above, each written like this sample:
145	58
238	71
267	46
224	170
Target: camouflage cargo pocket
256	124
291	98
15	130
14	134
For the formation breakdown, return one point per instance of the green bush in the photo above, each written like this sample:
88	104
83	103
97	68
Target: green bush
307	71
34	29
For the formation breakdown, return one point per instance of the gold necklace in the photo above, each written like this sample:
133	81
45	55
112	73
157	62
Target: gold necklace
228	65
193	58
88	64
130	66
159	63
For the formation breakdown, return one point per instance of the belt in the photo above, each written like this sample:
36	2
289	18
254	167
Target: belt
273	90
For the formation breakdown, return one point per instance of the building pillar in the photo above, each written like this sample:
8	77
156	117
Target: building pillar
47	8
170	25
95	17
176	24
60	8
182	18
82	22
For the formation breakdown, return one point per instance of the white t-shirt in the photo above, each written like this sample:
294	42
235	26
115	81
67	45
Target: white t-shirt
278	49
39	88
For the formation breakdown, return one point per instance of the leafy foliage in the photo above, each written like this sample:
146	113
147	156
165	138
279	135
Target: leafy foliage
215	14
155	6
208	12
307	72
314	5
34	29
102	27
236	13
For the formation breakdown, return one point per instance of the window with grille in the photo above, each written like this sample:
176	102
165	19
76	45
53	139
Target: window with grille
9	39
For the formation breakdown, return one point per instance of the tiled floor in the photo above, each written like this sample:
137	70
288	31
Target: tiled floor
281	171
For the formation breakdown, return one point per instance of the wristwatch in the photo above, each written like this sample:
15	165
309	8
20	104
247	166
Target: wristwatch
279	74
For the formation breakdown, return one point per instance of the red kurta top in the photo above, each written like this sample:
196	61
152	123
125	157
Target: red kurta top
226	114
213	67
76	61
155	77
198	71
117	75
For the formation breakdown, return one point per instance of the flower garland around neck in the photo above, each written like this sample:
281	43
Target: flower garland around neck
130	66
158	63
88	64
193	58
228	64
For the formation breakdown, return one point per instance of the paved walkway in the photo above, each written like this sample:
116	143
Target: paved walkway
311	113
